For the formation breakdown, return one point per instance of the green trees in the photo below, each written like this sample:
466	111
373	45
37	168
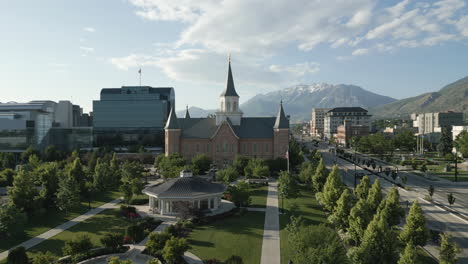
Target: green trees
174	249
307	172
17	256
375	196
461	143
405	140
51	153
409	255
315	244
261	172
415	229
448	250
48	176
12	220
256	168
102	179
240	162
132	173
342	210
379	243
76	171
200	164
227	175
239	194
392	205
23	194
362	190
116	260
445	145
286	185
359	218
331	190
295	153
320	177
7	176
170	166
68	194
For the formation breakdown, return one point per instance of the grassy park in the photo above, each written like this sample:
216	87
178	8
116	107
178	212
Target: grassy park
310	211
53	218
237	235
258	194
95	227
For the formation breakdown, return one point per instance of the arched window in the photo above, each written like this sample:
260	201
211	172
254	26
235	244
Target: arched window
234	107
228	107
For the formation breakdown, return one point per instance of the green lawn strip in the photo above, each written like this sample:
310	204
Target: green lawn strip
308	208
258	196
95	227
236	235
52	218
459	178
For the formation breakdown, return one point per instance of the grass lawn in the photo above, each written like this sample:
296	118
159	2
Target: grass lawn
258	195
53	218
237	235
308	208
94	227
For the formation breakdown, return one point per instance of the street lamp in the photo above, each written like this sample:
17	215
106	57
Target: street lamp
456	162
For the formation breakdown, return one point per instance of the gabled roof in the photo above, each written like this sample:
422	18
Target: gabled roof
281	120
187	114
172	121
185	187
230	89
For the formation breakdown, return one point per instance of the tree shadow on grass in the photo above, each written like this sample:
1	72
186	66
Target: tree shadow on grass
199	243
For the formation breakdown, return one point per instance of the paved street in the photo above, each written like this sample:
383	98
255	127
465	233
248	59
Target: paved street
271	234
437	217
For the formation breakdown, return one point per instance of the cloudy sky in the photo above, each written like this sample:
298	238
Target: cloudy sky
69	50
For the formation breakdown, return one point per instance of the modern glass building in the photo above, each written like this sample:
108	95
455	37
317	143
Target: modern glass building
132	115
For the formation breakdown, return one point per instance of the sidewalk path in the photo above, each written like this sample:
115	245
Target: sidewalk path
271	234
58	229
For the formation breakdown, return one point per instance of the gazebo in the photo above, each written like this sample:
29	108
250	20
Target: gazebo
186	190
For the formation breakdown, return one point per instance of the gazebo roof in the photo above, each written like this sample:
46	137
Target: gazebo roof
184	187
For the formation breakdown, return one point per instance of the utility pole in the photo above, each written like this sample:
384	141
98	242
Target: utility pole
456	162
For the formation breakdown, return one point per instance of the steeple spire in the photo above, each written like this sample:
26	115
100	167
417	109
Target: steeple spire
172	122
187	114
281	119
230	89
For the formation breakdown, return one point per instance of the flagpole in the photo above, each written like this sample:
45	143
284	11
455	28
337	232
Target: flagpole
140	76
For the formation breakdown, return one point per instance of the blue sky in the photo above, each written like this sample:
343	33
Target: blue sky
69	50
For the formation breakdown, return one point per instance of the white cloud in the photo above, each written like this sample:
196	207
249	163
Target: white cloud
462	25
359	52
362	17
89	29
299	69
86	50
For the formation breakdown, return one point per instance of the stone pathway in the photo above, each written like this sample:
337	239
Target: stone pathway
58	229
271	233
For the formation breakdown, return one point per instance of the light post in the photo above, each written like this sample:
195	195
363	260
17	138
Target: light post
456	162
282	202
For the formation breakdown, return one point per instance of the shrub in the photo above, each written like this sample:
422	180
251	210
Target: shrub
213	261
136	232
174	249
82	244
234	260
156	242
112	240
17	256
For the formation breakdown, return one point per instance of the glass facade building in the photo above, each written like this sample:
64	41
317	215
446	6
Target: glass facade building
132	115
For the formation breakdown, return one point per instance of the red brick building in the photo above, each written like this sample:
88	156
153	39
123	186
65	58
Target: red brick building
347	131
228	133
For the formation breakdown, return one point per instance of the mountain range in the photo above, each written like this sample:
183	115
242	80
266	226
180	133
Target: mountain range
299	100
453	96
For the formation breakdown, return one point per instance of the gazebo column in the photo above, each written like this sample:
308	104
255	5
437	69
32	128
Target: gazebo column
161	207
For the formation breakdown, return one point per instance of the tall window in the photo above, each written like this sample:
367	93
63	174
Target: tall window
244	146
234	106
208	147
226	147
228	107
197	147
255	148
266	147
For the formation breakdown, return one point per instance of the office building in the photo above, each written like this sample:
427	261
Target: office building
433	122
132	115
317	121
356	116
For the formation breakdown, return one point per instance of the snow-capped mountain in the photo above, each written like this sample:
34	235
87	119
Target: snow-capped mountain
299	100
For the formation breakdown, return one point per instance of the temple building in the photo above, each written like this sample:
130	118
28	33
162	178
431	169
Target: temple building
228	134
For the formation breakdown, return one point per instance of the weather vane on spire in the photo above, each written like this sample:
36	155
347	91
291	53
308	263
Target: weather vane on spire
229	58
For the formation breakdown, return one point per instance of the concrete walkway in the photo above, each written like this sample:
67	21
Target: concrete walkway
271	234
58	229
